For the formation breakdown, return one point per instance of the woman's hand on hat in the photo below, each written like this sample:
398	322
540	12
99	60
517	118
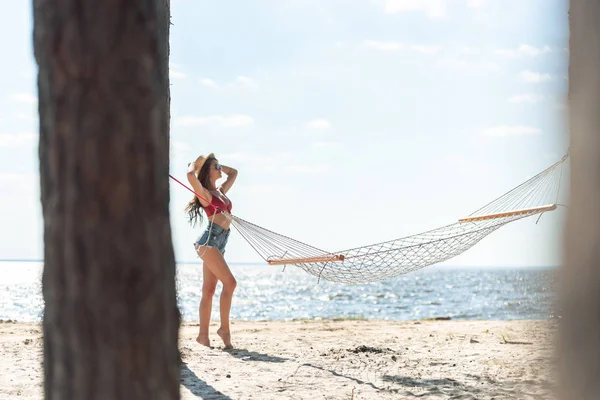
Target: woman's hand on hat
192	166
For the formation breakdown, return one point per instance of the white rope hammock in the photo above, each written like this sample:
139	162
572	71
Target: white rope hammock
399	256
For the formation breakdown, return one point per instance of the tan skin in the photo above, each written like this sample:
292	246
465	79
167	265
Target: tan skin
214	266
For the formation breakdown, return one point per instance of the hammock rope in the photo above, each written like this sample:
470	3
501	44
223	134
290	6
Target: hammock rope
384	260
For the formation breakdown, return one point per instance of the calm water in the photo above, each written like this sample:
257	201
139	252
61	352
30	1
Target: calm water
265	293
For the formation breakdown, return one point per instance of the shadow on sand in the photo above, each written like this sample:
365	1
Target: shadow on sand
246	355
197	386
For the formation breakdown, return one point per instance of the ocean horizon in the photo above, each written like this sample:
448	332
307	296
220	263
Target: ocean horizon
268	293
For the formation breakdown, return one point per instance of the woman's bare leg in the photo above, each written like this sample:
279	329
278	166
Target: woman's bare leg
214	260
209	284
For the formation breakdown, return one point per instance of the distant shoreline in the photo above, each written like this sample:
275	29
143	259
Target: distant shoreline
358	319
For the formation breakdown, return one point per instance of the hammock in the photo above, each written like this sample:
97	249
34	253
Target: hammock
388	259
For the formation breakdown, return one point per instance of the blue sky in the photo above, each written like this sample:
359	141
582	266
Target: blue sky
349	125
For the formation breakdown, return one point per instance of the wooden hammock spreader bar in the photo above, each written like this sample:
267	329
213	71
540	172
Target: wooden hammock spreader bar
510	213
306	260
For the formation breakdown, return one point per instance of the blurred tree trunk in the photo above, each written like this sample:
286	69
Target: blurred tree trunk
579	339
110	321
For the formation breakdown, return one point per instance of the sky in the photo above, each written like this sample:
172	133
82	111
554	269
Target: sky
348	125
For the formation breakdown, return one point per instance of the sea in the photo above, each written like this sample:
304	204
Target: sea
265	293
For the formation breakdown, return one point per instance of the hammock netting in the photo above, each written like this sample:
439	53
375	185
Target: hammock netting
388	259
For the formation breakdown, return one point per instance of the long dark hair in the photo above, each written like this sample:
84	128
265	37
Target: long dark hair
194	208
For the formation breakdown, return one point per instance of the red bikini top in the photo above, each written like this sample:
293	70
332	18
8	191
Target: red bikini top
219	204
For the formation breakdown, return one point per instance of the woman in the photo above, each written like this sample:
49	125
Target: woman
203	175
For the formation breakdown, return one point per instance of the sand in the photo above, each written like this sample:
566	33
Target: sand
337	360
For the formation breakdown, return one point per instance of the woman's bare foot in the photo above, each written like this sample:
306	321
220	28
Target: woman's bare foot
203	340
226	337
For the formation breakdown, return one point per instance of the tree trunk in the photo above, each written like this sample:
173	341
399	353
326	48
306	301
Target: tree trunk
579	339
110	320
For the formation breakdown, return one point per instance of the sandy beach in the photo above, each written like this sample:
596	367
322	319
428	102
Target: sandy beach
336	360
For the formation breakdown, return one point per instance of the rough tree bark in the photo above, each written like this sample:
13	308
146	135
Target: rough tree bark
579	338
110	321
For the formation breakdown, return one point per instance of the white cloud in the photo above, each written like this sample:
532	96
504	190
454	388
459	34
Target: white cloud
533	77
383	45
318	124
225	121
246	82
515	130
523	50
175	72
240	82
425	49
208	83
533	51
327	145
177	75
431	8
25	98
17	139
530	98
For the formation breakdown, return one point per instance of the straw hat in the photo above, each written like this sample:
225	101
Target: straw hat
201	160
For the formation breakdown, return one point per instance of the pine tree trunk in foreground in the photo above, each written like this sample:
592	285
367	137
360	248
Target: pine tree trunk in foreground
110	321
579	341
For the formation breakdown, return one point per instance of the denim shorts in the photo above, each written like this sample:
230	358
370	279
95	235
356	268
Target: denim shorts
214	236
